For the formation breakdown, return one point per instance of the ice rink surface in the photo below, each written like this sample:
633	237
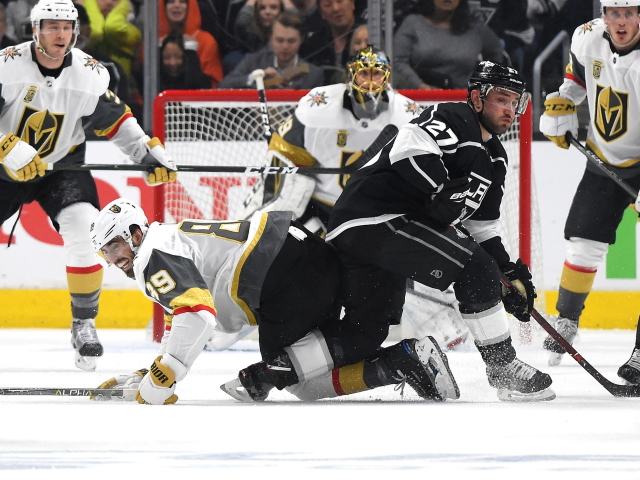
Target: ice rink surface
584	433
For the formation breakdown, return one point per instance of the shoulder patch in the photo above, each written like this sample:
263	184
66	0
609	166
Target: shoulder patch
10	53
92	63
412	107
317	98
587	27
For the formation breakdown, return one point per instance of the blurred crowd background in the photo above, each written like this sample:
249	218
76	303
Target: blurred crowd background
301	44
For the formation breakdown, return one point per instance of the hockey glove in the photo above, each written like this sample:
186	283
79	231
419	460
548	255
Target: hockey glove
19	159
149	151
157	386
518	300
559	117
123	382
448	205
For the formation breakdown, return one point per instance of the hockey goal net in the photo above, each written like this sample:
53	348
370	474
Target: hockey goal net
224	127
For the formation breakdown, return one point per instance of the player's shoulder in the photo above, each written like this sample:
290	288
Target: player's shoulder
402	105
320	102
87	73
15	59
588	33
160	240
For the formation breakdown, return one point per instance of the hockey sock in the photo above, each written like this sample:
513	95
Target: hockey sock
497	354
84	287
575	285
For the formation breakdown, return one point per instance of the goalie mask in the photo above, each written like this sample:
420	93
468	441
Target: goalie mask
489	75
54	10
369	72
116	220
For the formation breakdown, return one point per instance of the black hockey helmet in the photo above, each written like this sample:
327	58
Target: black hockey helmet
488	75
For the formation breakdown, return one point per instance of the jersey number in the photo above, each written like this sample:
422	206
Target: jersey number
233	231
160	282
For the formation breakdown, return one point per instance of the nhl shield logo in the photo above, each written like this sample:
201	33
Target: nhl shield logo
342	138
597	69
611	113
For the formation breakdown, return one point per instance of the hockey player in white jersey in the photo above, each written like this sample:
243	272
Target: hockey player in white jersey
266	271
329	128
47	89
605	69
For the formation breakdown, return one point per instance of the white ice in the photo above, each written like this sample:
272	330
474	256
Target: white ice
584	433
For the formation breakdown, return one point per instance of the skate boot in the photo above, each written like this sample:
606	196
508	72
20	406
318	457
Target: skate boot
566	327
254	383
519	382
84	340
630	371
424	367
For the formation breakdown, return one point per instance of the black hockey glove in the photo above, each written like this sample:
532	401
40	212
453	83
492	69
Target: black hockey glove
518	300
447	205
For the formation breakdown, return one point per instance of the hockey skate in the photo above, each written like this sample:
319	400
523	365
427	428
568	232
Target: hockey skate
519	382
84	340
425	368
568	329
630	371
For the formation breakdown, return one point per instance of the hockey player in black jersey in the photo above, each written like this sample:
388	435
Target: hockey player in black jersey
427	208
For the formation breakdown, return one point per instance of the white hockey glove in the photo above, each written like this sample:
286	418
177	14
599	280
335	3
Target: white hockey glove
157	386
19	159
559	117
149	151
123	382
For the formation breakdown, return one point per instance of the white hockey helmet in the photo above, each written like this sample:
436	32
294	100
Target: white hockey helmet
620	3
116	220
54	10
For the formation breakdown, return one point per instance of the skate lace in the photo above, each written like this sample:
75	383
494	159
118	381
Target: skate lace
87	332
400	386
521	370
634	361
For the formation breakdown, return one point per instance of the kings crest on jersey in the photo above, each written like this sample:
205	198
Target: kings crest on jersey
611	83
43	110
421	158
218	266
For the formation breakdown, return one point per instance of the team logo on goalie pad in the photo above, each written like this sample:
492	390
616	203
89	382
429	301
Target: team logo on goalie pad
611	113
40	129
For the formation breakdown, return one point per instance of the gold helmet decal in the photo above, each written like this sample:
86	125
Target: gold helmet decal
611	113
40	129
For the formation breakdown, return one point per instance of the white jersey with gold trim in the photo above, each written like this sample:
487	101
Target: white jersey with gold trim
45	111
611	82
218	266
332	133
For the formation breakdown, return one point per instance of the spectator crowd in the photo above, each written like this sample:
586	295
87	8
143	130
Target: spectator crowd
302	44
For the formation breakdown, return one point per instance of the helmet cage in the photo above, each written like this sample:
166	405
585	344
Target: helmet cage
115	220
375	61
54	10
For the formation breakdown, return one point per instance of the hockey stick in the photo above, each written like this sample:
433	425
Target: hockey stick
614	389
258	76
126	394
386	135
597	161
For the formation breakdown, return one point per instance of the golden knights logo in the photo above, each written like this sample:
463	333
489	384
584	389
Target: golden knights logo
115	209
317	98
31	93
40	129
342	138
588	27
412	107
597	69
611	113
10	53
93	63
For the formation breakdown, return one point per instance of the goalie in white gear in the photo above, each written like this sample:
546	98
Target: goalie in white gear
330	127
48	89
604	68
265	271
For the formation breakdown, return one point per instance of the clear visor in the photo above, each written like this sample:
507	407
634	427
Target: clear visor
518	105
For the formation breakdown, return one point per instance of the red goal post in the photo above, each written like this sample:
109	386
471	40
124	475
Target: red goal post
223	127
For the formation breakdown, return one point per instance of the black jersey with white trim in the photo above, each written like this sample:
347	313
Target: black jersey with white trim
443	143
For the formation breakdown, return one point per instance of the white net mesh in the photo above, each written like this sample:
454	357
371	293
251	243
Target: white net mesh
214	130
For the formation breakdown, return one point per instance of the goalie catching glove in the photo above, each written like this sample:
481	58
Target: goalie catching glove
559	117
149	151
157	386
19	159
518	299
